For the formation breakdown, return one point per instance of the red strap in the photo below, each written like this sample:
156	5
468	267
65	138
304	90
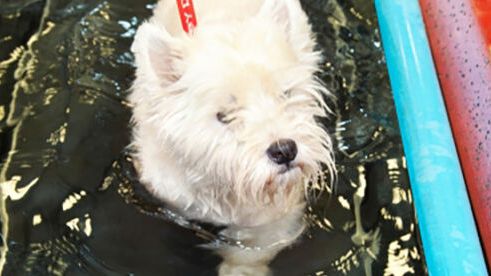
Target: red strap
187	14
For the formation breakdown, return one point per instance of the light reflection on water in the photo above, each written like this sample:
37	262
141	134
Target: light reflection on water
71	204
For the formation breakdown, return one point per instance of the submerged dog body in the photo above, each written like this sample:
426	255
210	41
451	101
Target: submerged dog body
225	128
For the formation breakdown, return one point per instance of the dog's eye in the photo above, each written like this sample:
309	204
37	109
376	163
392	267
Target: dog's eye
287	93
223	118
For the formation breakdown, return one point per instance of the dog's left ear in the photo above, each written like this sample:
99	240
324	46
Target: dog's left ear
290	15
156	54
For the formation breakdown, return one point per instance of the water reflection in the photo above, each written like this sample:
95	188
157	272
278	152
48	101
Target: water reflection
71	203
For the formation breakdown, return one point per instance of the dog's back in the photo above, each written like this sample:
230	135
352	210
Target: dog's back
166	12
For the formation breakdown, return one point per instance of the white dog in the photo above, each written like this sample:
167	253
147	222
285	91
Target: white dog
225	128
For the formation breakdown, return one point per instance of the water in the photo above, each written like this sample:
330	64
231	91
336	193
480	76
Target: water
71	204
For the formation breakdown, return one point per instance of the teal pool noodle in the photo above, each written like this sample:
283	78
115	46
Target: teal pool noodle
448	232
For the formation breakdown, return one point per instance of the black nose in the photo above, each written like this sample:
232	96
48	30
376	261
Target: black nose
282	151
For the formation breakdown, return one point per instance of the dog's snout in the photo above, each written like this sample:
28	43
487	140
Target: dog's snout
282	151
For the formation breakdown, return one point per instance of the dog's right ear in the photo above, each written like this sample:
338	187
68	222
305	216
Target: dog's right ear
156	56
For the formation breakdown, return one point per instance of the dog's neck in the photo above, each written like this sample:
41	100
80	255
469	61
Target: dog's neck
202	200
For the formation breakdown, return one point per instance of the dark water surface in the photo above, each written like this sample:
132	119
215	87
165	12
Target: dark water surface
70	202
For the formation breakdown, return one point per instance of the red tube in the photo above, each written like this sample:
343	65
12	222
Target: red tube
463	64
482	9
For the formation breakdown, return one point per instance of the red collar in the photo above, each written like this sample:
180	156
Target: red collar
187	14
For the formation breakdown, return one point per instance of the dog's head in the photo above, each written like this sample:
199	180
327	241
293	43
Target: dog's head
237	102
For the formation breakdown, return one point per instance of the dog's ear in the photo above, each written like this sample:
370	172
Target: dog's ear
290	15
156	54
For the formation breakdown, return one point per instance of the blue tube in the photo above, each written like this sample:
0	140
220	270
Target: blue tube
450	240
